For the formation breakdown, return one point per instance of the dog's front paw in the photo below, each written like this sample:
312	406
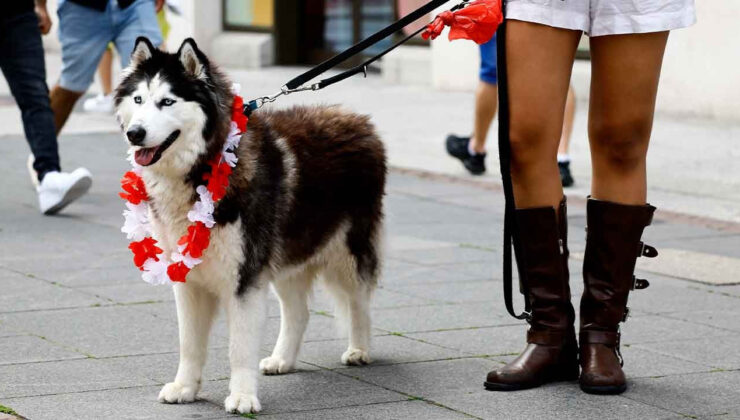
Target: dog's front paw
242	403
355	357
275	365
177	393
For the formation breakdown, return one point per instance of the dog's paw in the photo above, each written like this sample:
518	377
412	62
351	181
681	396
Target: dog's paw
176	393
355	357
275	365
242	403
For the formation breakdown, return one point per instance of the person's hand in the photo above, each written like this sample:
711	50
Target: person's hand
158	5
44	19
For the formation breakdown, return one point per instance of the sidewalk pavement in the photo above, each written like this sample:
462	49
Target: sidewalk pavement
692	166
82	337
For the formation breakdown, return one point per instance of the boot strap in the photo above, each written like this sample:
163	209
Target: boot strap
546	337
647	251
607	338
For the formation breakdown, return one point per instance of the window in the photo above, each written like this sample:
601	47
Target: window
255	15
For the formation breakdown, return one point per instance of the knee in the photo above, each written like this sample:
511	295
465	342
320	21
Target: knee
621	143
529	146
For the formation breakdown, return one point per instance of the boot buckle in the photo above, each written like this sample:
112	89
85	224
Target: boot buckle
647	251
639	284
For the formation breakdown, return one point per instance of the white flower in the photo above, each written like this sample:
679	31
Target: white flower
236	88
186	259
135	167
155	272
202	210
136	227
230	158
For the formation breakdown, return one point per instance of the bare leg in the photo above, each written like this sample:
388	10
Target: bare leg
62	103
540	60
196	309
293	295
105	71
570	115
246	321
486	105
624	85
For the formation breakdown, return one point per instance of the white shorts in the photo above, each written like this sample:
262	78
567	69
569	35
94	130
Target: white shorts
605	17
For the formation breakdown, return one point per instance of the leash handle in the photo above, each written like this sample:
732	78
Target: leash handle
504	147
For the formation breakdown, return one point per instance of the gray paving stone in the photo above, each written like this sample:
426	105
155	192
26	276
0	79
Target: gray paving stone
131	291
432	318
101	332
67	376
23	293
384	350
162	368
460	292
667	295
729	320
716	244
400	272
480	341
718	352
458	384
656	328
402	410
303	391
30	349
138	403
444	256
698	395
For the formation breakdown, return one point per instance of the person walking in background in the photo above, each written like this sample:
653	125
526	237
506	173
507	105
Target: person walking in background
471	151
22	62
86	29
103	102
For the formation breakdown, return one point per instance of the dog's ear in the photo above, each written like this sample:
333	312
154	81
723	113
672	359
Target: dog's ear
194	61
143	50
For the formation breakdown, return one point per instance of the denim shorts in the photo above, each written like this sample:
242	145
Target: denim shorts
85	33
488	68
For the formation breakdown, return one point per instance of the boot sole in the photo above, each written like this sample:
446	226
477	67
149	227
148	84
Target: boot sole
604	389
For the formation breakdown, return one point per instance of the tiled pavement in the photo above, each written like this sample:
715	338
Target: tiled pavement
81	337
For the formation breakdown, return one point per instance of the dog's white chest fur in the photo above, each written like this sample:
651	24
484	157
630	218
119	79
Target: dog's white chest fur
172	200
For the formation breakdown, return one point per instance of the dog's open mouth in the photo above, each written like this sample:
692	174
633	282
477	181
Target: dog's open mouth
149	156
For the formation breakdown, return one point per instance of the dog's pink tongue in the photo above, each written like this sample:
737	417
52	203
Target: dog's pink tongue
144	157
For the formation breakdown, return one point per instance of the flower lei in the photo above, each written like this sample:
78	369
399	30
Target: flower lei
156	268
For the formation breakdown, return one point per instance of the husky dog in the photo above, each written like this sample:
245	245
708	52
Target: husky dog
304	200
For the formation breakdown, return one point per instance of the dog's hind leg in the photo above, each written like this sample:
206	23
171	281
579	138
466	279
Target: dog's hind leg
352	297
246	314
293	294
196	308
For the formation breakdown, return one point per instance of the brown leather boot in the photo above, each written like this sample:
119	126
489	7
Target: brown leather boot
542	257
612	248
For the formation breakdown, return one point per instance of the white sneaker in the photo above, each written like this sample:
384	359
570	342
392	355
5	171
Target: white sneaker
101	103
59	189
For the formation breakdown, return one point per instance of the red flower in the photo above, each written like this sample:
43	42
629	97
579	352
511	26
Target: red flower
135	190
218	178
478	22
143	250
177	272
237	114
196	240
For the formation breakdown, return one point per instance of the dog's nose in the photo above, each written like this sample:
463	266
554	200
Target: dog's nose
136	135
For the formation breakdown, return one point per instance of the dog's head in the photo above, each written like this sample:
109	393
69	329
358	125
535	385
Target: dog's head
173	108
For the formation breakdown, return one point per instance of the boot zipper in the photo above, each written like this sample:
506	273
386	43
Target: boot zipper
562	247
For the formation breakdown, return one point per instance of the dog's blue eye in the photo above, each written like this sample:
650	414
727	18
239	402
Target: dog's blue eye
137	99
167	102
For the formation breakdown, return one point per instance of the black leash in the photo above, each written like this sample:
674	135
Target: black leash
297	84
504	150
